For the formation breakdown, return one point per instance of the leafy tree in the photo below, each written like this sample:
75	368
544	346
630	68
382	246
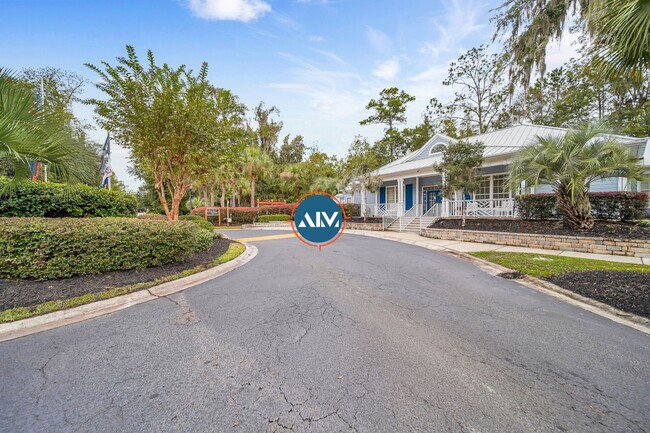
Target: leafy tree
559	99
166	117
268	129
359	166
61	89
390	110
32	133
480	102
619	29
232	133
459	168
569	164
256	163
292	151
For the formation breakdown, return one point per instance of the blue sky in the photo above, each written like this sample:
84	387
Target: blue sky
318	61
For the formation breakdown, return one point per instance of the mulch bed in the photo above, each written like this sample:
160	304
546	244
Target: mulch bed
627	291
25	293
601	229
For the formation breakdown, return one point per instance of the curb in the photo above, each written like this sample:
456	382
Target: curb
614	314
33	325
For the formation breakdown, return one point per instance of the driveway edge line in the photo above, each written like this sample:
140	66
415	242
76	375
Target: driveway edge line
614	314
33	325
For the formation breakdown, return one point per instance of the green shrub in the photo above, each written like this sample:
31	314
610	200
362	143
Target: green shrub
40	199
619	205
536	206
270	218
47	248
352	209
644	223
202	222
244	216
623	205
152	216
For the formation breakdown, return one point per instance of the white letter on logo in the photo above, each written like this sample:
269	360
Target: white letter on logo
331	220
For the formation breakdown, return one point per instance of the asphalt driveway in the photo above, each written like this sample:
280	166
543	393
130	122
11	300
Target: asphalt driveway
366	335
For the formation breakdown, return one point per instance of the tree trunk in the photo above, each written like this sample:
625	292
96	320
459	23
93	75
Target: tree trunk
233	186
205	195
364	205
211	197
463	208
576	214
223	194
253	190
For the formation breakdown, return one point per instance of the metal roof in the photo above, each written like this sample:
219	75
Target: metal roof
502	142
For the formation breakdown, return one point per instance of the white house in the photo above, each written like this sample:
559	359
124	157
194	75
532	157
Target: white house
410	193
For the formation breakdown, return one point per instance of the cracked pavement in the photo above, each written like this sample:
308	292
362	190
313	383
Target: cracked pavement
367	335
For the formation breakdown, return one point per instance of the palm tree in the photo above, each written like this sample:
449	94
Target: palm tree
622	34
27	133
256	163
569	164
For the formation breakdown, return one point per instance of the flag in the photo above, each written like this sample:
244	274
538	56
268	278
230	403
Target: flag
105	167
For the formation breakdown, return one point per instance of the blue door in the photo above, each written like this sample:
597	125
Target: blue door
432	197
408	201
382	195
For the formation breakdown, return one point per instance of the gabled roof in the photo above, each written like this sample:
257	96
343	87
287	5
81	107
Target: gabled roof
502	142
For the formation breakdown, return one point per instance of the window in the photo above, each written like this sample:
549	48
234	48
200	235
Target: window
483	192
391	194
493	188
437	148
500	188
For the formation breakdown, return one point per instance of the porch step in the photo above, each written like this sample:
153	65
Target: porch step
410	224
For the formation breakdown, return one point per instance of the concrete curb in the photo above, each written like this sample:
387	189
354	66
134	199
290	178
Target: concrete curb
628	319
32	325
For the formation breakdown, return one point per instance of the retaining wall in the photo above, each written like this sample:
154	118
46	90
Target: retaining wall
583	244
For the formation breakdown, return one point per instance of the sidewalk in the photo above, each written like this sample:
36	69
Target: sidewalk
468	247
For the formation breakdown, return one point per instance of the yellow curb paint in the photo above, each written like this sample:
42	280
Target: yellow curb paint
266	238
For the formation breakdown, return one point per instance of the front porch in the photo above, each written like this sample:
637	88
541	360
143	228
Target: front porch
423	197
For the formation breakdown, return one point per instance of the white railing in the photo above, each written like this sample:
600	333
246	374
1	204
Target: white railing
481	208
381	209
433	212
409	216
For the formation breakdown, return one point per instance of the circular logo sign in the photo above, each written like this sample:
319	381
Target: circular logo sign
318	219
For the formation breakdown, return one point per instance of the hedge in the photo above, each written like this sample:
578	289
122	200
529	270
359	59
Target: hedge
47	248
202	222
40	199
352	209
275	217
623	205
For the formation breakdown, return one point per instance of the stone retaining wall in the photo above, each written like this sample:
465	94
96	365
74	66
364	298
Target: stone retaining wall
618	247
363	226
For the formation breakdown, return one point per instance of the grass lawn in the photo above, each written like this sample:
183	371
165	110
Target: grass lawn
13	314
542	266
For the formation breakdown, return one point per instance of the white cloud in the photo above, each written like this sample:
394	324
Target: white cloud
232	10
317	38
386	70
378	39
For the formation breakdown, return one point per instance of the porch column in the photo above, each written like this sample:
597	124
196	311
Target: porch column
444	212
417	196
400	197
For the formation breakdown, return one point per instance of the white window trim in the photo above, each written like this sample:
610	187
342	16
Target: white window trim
393	187
491	176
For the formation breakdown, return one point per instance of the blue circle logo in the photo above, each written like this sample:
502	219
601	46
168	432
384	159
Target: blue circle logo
319	219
